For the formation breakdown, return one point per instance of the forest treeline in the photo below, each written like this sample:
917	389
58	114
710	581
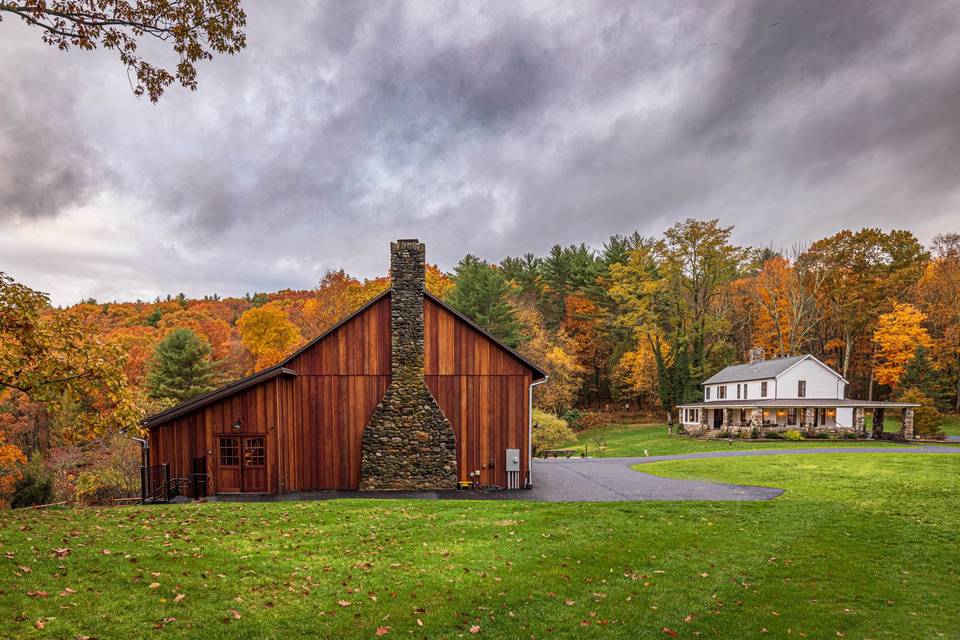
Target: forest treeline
636	323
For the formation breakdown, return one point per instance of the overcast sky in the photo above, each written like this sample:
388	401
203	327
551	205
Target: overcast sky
493	129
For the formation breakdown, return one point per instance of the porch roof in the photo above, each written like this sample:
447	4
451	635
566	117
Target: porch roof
786	403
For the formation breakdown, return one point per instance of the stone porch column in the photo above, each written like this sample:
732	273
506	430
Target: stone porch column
809	418
727	415
756	417
878	416
906	431
704	423
859	423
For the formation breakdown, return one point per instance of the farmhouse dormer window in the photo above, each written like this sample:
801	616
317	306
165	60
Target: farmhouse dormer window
721	392
763	389
708	393
801	388
738	392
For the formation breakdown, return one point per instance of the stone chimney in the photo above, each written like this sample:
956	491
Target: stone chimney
409	442
755	354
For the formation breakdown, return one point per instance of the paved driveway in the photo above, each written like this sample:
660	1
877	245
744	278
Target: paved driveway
612	479
606	480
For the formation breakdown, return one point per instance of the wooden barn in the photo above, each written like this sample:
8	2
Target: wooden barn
405	393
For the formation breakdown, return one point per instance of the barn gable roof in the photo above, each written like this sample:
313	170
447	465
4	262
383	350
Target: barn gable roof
281	369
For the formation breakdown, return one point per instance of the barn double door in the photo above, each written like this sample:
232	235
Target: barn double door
242	464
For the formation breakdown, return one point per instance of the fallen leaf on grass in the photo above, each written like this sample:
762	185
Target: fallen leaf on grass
154	585
106	552
670	632
179	597
475	629
382	631
419	622
343	603
67	592
37	594
62	553
25	568
39	624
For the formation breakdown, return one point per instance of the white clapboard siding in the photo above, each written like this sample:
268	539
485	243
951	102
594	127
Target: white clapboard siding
822	382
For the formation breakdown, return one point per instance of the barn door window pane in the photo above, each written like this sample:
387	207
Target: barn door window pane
253	452
229	452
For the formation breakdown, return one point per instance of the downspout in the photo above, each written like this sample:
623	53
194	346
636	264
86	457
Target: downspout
530	431
144	465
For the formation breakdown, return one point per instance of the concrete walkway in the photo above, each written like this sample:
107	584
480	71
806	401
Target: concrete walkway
612	479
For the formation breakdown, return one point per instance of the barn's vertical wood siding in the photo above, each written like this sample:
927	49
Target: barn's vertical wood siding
339	383
194	435
482	389
314	421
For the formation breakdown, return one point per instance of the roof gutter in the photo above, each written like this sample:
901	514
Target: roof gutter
530	431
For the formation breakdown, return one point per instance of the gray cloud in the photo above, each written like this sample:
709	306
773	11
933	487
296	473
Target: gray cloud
493	129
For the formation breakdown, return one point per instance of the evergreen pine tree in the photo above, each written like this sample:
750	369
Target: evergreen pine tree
181	367
921	375
480	293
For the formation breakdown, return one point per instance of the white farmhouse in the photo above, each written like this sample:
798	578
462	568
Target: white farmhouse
795	392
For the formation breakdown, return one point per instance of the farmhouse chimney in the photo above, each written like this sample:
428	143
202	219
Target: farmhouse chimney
408	442
755	354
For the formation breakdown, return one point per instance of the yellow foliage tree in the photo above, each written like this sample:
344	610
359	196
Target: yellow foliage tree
555	353
269	334
898	335
636	371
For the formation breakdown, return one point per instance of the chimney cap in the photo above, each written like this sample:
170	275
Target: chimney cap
408	240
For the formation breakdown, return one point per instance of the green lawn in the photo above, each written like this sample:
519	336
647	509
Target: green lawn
625	440
951	423
867	546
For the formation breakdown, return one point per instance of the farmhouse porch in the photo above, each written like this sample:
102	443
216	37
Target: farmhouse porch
803	414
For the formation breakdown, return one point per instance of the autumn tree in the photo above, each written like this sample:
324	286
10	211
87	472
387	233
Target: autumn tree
269	334
49	356
11	458
787	309
181	368
215	331
898	335
480	292
554	352
938	295
193	29
863	273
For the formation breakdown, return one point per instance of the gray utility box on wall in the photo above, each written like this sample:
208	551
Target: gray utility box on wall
513	468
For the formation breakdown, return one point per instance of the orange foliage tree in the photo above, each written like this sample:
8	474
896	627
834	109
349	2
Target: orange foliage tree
53	359
10	460
898	335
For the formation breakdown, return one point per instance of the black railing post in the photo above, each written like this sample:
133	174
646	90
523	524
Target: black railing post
166	482
144	477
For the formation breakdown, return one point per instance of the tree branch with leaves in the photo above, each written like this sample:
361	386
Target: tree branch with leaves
196	29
